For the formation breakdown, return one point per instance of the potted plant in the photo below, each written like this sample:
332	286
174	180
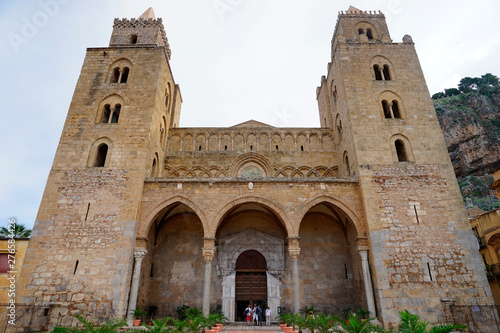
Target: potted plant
138	313
195	320
300	323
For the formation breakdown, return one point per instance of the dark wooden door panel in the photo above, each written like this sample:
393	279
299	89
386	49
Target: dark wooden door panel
251	286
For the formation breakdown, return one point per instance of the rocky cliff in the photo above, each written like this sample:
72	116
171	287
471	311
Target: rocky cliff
471	127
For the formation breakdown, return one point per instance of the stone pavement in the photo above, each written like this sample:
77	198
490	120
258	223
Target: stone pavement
244	328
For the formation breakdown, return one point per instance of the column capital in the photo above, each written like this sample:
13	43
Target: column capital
208	253
363	254
293	241
294	253
140	253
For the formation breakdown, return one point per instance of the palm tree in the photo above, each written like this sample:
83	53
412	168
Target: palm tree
180	324
321	323
355	325
159	326
111	326
18	231
410	323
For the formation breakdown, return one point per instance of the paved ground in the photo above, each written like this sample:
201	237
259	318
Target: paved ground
244	328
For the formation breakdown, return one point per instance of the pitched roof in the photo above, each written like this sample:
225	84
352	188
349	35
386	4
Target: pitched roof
148	14
353	9
251	123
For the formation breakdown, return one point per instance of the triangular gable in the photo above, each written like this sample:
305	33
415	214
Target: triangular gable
251	123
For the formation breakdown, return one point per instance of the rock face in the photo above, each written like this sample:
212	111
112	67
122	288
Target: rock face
471	127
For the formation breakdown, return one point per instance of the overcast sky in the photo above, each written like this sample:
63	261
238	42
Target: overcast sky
234	60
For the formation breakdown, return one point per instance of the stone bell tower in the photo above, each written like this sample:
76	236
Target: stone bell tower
377	103
80	256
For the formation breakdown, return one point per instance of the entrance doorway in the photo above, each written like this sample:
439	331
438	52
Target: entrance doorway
251	282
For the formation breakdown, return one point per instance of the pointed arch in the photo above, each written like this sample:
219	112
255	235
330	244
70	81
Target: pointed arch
337	202
150	217
269	204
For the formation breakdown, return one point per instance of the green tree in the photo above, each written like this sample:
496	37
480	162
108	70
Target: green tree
451	92
468	84
438	95
484	85
20	231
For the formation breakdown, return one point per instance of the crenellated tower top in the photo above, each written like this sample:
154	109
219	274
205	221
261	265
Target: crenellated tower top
147	30
360	26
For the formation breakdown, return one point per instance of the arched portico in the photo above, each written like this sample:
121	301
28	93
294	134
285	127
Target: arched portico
250	226
239	201
161	207
340	208
173	265
334	254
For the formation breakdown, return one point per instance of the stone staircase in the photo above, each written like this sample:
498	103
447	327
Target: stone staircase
243	326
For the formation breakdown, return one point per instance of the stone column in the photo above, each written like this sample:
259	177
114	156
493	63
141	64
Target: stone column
368	282
294	250
139	254
208	254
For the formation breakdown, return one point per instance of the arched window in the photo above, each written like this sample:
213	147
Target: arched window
369	34
124	75
360	31
106	113
401	151
378	75
116	75
387	110
133	39
395	109
116	113
167	99
387	75
163	131
100	159
153	168
347	167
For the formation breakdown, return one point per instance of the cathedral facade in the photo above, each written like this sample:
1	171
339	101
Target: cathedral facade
361	212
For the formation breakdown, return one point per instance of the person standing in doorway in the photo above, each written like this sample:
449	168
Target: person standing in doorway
248	314
259	315
255	319
268	316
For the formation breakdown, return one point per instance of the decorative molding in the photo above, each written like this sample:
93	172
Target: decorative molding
287	171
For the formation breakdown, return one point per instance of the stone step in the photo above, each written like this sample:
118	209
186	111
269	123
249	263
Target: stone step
242	326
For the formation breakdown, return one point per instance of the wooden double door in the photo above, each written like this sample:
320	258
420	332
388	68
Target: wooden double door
251	282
